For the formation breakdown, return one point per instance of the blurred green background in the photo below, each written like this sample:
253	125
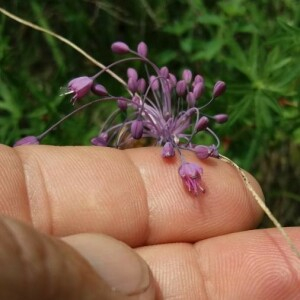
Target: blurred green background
252	45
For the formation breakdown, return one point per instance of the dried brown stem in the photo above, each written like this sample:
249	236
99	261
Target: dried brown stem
262	204
64	40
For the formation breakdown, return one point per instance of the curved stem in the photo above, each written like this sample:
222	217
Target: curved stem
262	204
64	40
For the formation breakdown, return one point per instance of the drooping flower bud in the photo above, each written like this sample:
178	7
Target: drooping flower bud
142	49
168	150
187	76
132	73
99	89
122	103
181	88
202	123
137	128
80	86
120	48
219	89
27	140
190	174
220	118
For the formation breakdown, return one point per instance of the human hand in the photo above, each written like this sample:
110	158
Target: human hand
87	199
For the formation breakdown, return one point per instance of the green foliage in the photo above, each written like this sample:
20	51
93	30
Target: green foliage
252	45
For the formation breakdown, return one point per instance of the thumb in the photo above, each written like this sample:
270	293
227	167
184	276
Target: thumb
36	266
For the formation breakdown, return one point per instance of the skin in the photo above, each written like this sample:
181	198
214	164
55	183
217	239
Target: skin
98	223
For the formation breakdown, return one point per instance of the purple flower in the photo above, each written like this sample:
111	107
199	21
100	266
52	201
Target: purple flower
181	88
100	140
132	84
132	73
204	152
202	123
80	86
137	129
141	85
99	89
122	103
187	75
168	150
120	48
220	118
219	89
198	89
142	49
190	174
161	108
28	140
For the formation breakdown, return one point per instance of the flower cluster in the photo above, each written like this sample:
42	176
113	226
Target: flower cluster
159	107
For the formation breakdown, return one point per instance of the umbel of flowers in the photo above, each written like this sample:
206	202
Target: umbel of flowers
159	106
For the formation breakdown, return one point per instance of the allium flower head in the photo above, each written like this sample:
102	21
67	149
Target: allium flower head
158	106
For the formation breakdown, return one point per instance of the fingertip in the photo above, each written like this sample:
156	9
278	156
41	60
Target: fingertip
116	263
36	266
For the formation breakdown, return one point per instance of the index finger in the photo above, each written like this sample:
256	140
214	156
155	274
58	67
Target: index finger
132	195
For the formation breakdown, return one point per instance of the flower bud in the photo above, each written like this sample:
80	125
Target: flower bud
142	49
164	72
99	89
80	86
190	98
136	101
198	78
181	88
137	128
132	73
220	118
187	76
100	140
154	83
202	123
122	103
219	89
141	85
172	80
202	152
213	150
198	89
120	48
27	140
132	84
168	150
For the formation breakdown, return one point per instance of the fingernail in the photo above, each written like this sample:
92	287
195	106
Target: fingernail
116	263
